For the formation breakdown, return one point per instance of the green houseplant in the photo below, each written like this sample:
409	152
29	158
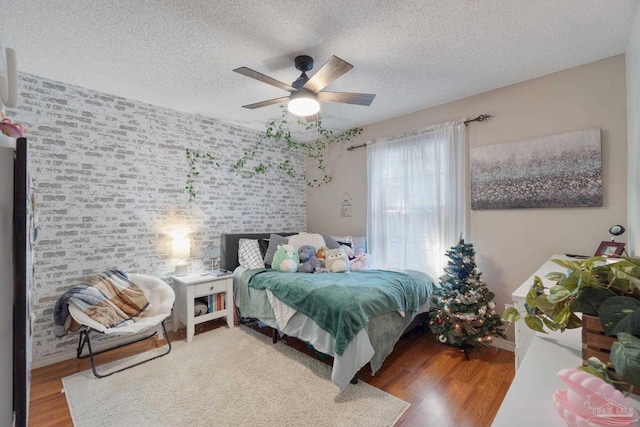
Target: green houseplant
591	286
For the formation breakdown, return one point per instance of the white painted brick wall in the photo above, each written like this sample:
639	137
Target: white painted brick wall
110	183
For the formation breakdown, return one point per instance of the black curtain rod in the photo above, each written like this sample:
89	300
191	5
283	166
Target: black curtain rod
480	118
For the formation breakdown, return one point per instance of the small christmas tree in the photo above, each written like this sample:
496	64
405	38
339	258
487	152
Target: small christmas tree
464	313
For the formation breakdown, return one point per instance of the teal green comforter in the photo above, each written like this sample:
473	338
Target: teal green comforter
343	303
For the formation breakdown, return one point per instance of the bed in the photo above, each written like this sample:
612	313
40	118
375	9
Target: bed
368	310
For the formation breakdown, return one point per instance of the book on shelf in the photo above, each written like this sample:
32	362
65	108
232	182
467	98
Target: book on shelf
215	302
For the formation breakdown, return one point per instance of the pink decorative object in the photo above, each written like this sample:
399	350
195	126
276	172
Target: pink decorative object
14	130
590	401
360	262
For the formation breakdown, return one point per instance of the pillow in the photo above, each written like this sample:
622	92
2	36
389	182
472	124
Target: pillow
311	239
330	242
344	240
359	245
274	241
249	255
263	244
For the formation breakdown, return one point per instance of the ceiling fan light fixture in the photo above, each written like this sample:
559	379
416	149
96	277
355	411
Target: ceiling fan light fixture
303	103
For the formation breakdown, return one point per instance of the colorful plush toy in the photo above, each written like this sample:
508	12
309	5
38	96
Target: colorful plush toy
322	255
348	250
360	262
337	261
309	262
286	259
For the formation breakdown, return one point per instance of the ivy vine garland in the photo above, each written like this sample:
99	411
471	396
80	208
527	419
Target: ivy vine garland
192	156
276	132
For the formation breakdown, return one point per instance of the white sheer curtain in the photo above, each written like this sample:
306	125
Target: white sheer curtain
417	203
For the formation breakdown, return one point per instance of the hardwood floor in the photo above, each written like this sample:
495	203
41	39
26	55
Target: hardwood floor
444	389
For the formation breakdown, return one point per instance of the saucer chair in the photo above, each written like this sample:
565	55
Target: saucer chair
161	298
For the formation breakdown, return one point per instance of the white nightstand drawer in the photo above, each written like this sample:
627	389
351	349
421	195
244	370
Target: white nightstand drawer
209	288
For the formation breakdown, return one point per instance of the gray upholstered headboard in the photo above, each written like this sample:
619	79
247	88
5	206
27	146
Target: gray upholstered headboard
229	247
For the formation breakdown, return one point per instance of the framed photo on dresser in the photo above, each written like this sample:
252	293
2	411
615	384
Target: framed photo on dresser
610	249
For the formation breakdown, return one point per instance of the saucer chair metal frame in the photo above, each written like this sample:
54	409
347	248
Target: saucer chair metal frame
161	297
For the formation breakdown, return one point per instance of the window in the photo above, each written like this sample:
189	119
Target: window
416	200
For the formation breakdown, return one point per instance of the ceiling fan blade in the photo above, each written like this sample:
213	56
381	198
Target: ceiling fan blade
331	70
265	79
346	97
265	103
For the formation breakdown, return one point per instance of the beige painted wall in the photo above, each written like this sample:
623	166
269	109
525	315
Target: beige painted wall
510	244
633	118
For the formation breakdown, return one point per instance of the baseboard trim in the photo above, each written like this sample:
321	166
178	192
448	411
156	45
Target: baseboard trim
504	344
97	347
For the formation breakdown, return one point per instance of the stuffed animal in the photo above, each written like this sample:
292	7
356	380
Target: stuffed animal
322	255
337	261
286	259
348	250
309	262
360	262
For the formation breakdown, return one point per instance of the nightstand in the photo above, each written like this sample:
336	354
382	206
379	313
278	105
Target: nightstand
189	288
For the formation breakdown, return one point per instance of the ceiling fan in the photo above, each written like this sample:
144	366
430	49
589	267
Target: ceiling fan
306	93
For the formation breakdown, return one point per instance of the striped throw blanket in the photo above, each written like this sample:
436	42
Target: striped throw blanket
109	298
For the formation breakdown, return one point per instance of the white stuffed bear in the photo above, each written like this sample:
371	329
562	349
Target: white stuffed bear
337	261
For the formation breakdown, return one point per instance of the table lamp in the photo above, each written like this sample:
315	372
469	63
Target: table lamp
181	250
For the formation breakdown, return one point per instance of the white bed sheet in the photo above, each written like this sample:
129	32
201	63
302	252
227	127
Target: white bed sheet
345	366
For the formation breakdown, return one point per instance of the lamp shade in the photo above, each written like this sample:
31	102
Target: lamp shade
181	247
303	103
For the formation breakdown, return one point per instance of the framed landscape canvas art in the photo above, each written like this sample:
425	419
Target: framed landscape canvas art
556	171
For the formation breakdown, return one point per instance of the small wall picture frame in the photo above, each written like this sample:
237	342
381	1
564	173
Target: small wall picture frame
610	249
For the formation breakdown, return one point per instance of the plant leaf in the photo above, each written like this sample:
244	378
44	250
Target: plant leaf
558	293
530	301
511	314
592	371
551	325
589	301
620	314
574	322
543	304
629	274
597	368
536	289
563	316
556	276
537	284
625	356
568	264
634	260
534	323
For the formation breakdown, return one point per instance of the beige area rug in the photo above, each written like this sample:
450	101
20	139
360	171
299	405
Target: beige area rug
226	377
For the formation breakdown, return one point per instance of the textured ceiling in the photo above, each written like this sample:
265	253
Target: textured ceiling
412	54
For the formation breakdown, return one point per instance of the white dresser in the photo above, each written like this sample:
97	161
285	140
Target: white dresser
524	334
